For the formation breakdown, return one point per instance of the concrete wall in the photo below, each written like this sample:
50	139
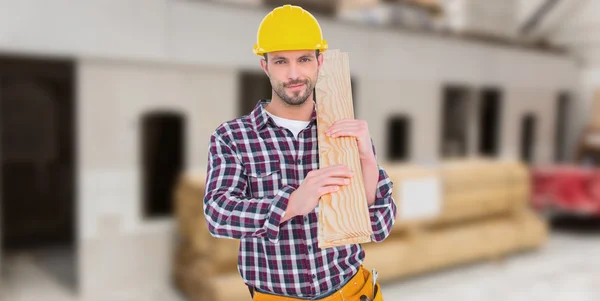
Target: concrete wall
137	55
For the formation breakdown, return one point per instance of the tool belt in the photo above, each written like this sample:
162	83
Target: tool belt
359	288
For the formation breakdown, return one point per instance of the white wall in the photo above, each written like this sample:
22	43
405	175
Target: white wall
135	55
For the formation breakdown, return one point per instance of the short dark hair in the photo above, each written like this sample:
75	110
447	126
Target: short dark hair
316	54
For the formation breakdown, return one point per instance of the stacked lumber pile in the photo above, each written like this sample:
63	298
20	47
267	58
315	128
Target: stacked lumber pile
204	267
466	190
470	210
482	213
409	254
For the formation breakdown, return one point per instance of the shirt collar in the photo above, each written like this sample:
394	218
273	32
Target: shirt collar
260	118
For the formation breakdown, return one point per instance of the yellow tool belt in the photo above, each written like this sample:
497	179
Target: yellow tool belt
360	285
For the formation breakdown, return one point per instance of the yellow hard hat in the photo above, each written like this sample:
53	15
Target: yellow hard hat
289	27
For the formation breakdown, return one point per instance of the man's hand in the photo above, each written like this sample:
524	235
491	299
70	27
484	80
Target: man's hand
354	128
370	170
317	183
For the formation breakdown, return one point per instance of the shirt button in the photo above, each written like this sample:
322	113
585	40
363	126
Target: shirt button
314	276
309	248
299	161
306	219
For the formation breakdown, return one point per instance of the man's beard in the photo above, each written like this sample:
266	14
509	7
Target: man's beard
298	97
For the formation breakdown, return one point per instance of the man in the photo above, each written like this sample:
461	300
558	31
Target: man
264	182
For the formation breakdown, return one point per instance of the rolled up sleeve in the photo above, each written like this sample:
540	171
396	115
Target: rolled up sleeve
383	210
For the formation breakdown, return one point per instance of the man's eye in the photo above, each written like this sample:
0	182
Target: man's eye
306	60
278	62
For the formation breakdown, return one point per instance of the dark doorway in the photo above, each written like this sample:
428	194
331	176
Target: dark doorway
455	118
38	157
38	152
399	129
254	86
490	122
528	131
163	147
562	120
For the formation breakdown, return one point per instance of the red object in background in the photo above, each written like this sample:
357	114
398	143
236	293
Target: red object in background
566	189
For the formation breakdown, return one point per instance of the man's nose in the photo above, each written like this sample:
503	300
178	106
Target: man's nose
293	72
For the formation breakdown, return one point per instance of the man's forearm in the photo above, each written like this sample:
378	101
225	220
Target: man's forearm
370	173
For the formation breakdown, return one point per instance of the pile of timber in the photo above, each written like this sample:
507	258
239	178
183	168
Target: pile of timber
457	212
472	210
464	190
204	267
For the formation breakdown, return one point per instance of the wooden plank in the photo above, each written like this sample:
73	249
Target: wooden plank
343	215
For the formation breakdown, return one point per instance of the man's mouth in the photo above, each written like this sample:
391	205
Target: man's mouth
295	86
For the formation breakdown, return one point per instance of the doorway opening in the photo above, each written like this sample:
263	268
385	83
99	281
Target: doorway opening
163	160
455	121
399	138
490	122
560	132
528	130
38	157
254	86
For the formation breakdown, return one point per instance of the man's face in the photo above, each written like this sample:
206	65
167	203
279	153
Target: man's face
293	74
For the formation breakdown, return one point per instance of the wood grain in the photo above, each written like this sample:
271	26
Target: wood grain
343	215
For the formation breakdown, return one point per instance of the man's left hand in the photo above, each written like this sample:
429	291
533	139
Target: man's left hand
354	128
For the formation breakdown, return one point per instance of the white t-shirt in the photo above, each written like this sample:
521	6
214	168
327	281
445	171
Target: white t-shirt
293	125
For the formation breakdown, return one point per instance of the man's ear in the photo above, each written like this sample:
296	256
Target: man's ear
264	66
320	59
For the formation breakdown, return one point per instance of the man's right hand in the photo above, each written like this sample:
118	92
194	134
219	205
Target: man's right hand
317	183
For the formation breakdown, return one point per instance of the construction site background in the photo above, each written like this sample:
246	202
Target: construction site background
485	113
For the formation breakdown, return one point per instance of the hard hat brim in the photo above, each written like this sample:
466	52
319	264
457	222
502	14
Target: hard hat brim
259	51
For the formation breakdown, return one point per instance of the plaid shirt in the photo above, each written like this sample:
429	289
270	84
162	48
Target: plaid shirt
253	167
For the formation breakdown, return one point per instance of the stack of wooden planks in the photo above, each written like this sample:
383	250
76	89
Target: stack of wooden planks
466	189
481	212
204	267
409	254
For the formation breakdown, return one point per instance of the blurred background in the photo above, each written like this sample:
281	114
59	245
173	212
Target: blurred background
485	113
